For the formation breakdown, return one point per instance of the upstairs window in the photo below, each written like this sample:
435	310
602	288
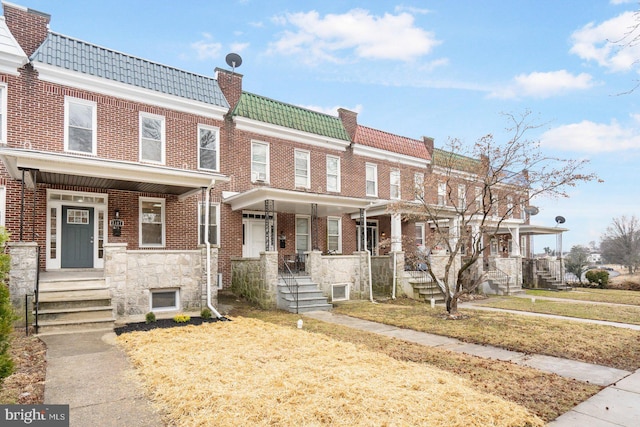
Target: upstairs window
418	184
510	206
372	179
442	193
259	162
462	198
152	138
302	167
80	126
333	173
208	148
394	183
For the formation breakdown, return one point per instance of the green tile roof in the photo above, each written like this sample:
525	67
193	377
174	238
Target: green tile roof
75	55
455	161
277	113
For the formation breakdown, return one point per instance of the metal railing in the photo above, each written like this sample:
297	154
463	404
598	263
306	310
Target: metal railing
290	281
36	290
499	277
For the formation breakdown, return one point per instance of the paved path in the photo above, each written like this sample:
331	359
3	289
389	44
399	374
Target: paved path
616	405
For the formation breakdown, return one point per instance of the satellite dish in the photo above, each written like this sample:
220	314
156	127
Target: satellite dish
532	210
233	60
560	219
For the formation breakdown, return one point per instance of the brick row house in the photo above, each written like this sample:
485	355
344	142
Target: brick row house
134	186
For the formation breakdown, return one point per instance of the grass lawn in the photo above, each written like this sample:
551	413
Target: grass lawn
601	345
587	294
622	314
251	372
546	395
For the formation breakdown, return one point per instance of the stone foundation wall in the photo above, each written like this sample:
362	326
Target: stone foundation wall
22	273
256	279
327	270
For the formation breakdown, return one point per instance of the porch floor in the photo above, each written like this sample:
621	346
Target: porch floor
71	274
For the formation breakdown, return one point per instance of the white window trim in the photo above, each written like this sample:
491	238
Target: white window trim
422	227
374	167
308	218
307	155
462	197
217	131
335	218
3	106
163	137
393	173
164	222
164	290
418	184
254	175
442	194
338	180
215	206
94	123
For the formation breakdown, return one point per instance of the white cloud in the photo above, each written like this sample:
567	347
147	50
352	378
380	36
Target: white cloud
616	2
207	48
543	85
588	136
356	33
412	10
332	111
610	44
238	47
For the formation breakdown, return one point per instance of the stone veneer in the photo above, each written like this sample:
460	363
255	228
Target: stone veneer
22	273
256	279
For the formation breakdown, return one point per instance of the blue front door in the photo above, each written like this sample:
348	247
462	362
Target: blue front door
77	237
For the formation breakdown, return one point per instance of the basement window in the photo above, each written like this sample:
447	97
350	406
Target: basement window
339	292
165	299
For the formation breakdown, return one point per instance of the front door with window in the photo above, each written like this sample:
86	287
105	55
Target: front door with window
254	240
77	237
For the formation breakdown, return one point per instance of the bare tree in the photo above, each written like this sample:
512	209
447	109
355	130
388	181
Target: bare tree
621	242
577	260
479	189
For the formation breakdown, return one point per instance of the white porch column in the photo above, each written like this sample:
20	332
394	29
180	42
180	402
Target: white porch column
396	233
515	236
454	231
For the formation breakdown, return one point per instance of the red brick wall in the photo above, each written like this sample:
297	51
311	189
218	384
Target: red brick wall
29	27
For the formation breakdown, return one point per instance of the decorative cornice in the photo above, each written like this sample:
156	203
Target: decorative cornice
378	154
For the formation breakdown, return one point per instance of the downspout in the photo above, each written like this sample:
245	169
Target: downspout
393	290
366	248
208	246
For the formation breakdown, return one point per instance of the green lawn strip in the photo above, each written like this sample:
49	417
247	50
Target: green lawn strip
614	296
622	314
546	395
597	344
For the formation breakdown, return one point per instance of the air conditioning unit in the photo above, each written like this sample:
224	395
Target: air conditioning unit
258	176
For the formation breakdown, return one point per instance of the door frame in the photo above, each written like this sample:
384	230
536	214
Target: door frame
58	198
246	221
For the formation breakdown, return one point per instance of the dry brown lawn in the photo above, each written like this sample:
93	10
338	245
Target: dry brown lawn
251	372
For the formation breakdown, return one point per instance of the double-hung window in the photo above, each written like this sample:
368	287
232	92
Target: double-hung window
152	138
333	174
442	193
302	168
478	198
208	148
80	126
510	206
213	223
259	162
334	234
3	113
371	176
462	198
152	221
303	233
418	184
419	234
394	183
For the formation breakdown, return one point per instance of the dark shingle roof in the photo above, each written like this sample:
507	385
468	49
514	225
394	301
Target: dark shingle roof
278	113
75	55
389	142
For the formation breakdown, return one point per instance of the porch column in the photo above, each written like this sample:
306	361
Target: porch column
454	231
314	227
363	231
396	233
269	216
515	236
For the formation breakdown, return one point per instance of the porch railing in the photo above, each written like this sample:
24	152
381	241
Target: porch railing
36	290
290	281
500	277
552	266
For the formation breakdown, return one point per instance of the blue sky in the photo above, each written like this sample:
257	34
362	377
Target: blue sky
418	68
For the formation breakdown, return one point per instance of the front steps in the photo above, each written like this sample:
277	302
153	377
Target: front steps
310	297
547	281
74	305
424	289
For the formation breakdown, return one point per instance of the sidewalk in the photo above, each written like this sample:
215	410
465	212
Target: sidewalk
90	374
616	405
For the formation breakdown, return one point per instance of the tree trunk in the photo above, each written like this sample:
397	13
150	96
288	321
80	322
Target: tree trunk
452	306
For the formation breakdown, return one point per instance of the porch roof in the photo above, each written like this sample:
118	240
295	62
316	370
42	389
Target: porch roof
298	202
65	169
534	230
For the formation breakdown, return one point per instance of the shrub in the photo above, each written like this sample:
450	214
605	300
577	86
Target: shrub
150	317
7	315
206	313
599	278
181	318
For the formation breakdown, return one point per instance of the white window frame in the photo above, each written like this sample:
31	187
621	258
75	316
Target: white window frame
336	159
478	199
216	208
215	130
371	176
418	184
339	235
394	184
442	194
255	175
510	206
175	307
308	219
3	205
94	123
302	180
163	137
3	113
164	222
462	197
420	228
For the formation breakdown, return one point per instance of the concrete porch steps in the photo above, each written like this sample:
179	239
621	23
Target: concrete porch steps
310	297
74	304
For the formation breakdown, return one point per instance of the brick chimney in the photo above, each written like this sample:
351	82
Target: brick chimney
231	85
28	26
349	121
428	142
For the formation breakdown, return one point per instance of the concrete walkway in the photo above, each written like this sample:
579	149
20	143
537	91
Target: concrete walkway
616	405
90	374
